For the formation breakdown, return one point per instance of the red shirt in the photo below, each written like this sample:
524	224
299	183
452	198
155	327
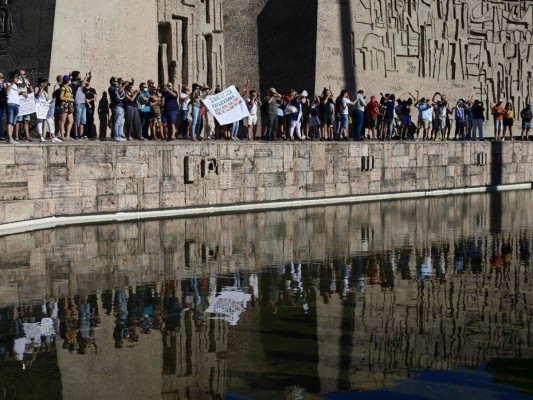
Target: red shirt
372	108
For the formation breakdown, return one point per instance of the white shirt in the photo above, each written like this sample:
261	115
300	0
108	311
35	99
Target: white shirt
184	104
252	107
344	110
13	95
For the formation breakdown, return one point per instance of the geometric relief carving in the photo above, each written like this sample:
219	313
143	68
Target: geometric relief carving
7	12
486	43
191	42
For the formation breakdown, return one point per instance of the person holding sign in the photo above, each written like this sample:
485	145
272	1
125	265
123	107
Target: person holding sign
45	110
24	89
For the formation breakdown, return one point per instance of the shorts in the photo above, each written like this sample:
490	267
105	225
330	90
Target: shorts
21	118
343	121
423	123
252	120
498	124
526	124
406	120
170	117
372	122
314	121
326	119
508	122
12	113
438	124
80	114
156	118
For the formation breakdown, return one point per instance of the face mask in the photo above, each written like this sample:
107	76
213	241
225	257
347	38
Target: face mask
145	90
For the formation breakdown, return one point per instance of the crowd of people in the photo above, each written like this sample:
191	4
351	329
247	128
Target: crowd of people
161	112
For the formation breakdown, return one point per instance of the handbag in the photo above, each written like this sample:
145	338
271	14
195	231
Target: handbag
290	109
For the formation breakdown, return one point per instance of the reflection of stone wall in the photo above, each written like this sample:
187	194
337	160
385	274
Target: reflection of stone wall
62	262
89	178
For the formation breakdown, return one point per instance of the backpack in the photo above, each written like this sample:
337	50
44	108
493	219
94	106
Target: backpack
527	113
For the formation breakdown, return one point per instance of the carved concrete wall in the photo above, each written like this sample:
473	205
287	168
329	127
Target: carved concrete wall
191	45
26	29
459	47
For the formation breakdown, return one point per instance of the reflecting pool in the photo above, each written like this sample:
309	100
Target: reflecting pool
409	299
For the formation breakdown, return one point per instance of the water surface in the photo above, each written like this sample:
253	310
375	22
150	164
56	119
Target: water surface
383	299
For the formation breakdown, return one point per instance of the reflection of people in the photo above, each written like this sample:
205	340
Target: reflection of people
121	314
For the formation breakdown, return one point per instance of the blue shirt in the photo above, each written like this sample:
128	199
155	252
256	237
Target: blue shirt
298	104
389	109
145	102
115	97
171	102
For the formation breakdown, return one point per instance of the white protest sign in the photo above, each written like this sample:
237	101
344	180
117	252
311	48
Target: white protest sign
227	106
27	105
43	109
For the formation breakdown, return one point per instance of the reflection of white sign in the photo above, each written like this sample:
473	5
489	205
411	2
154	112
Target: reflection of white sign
227	106
43	109
34	331
231	304
27	105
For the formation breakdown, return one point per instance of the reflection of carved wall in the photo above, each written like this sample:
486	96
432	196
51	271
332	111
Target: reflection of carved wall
191	47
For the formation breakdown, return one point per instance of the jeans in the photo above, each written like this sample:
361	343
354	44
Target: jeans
118	122
80	114
358	117
196	121
184	123
477	124
12	113
460	128
235	129
295	127
145	122
272	126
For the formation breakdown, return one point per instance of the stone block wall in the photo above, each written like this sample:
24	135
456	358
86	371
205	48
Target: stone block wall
90	178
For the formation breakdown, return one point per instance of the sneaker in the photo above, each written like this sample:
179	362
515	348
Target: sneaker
28	140
56	140
42	139
119	139
84	138
503	140
11	141
180	136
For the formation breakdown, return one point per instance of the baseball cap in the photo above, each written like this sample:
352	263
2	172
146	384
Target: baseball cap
66	78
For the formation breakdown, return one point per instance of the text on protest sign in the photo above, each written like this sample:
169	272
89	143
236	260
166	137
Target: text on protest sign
27	105
227	106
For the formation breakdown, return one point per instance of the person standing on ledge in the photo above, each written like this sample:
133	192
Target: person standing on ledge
497	112
116	96
358	115
508	119
272	100
13	103
478	112
254	104
342	103
3	105
526	115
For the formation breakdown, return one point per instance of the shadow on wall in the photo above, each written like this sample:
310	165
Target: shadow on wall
287	37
